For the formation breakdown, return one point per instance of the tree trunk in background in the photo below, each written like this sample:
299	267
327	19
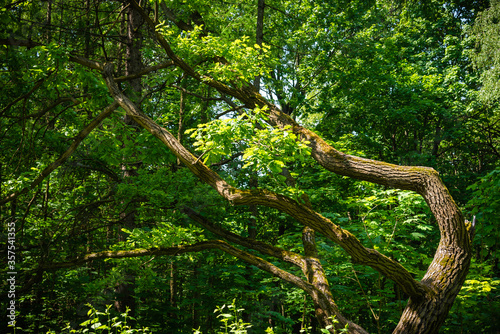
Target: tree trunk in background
430	298
181	122
48	21
173	286
196	297
133	64
259	33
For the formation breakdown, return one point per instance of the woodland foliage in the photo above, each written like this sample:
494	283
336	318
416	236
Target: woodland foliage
170	157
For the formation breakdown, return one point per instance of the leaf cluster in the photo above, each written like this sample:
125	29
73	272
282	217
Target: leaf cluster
265	150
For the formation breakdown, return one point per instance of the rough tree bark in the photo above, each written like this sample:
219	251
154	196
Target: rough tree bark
429	299
432	297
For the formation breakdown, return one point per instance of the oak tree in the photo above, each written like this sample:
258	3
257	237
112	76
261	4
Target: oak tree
242	78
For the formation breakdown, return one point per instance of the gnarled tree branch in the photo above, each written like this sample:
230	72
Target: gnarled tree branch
302	213
262	247
451	262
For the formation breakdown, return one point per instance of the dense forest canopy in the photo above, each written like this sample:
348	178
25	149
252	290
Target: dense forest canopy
297	166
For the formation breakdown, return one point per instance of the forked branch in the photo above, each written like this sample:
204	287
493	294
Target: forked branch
302	213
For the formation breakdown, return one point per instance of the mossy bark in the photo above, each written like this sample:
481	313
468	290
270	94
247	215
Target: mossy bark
431	298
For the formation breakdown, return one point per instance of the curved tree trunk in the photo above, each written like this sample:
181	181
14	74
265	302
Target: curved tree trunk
430	299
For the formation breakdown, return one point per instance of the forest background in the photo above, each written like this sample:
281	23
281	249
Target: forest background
171	157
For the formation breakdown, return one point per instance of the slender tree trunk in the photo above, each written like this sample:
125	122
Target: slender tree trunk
437	141
195	315
259	35
48	21
133	64
173	285
181	122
